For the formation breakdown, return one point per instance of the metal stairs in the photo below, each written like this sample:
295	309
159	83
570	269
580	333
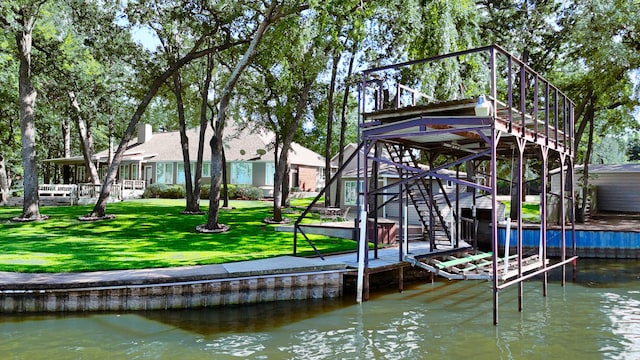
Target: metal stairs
433	209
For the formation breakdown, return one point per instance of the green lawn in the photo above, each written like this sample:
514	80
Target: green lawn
530	211
145	234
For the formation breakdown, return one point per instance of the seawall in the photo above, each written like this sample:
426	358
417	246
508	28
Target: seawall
283	278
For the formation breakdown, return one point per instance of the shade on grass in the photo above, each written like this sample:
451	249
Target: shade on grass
145	234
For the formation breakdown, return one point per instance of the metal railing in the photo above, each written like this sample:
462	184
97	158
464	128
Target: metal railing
528	103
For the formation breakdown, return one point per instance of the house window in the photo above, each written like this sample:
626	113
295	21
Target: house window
269	172
180	177
124	172
241	173
164	173
351	192
134	172
180	174
206	169
80	174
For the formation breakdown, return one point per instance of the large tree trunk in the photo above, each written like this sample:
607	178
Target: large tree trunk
225	97
286	186
589	116
225	181
65	127
330	117
216	180
204	105
86	140
193	201
31	206
343	130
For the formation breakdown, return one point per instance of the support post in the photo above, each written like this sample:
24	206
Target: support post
495	136
573	219
362	251
563	235
457	216
543	216
521	146
401	220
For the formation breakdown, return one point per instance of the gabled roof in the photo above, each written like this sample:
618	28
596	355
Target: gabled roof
240	144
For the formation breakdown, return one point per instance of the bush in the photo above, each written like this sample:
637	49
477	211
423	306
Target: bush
164	191
154	191
174	192
248	193
235	192
205	190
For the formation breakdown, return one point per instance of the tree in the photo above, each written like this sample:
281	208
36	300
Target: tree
172	33
9	167
267	18
633	149
209	29
19	18
588	49
284	75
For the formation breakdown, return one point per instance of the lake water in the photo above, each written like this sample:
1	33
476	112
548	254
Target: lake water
598	317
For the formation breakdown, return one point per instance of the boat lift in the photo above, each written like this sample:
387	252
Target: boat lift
427	117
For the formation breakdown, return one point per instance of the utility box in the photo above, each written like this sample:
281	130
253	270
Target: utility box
387	231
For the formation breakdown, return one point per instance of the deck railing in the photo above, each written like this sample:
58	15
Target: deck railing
116	191
133	184
529	103
88	190
61	190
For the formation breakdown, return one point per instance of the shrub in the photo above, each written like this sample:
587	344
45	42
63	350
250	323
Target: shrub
154	191
164	191
248	193
233	191
174	192
204	191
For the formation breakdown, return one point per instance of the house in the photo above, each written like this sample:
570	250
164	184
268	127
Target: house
157	158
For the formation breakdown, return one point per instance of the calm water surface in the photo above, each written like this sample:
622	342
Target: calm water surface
598	317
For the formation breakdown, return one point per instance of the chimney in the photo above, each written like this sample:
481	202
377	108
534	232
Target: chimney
144	133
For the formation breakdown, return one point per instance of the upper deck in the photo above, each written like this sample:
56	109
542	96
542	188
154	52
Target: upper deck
437	110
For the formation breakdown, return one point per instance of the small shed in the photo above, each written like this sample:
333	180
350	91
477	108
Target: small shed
617	187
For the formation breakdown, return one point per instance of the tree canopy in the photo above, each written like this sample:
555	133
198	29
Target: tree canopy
77	78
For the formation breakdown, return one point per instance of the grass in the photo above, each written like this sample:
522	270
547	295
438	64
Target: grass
145	234
530	211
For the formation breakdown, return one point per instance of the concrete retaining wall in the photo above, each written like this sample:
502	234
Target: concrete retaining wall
178	295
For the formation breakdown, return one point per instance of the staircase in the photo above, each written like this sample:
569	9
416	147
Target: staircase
433	210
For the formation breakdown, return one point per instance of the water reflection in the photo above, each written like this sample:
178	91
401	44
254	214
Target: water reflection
243	319
443	320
